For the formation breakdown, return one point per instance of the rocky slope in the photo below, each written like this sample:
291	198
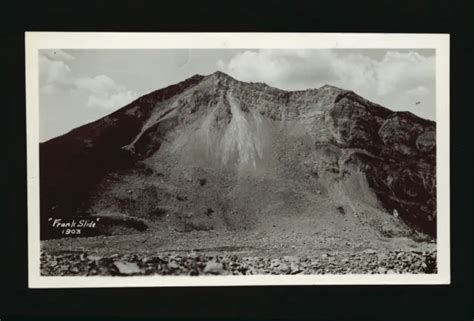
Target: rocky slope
194	264
215	154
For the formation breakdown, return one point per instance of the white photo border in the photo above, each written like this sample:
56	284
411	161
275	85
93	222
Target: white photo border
35	41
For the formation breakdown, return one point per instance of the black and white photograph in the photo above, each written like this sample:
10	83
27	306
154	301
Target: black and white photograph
237	159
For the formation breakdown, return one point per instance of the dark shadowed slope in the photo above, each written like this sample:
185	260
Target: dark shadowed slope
72	164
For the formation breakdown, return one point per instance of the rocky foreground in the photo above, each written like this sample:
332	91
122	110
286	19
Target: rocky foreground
194	263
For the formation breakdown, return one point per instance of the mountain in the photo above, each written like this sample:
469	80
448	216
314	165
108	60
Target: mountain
216	154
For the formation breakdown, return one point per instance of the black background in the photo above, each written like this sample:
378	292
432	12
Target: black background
447	302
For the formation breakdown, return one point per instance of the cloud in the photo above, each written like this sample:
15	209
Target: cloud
52	72
100	91
392	80
355	71
418	91
111	100
289	69
98	85
404	71
104	92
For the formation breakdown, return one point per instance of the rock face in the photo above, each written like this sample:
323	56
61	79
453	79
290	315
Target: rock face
214	153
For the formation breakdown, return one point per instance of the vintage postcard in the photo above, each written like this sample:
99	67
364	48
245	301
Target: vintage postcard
204	159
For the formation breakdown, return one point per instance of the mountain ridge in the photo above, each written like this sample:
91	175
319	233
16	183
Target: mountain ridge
219	74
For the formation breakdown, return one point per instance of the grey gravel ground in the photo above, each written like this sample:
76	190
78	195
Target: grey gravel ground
365	262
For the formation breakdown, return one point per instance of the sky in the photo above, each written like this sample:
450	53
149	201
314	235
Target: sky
79	86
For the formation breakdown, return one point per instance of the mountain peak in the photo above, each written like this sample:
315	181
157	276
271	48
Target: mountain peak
332	88
221	75
217	73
